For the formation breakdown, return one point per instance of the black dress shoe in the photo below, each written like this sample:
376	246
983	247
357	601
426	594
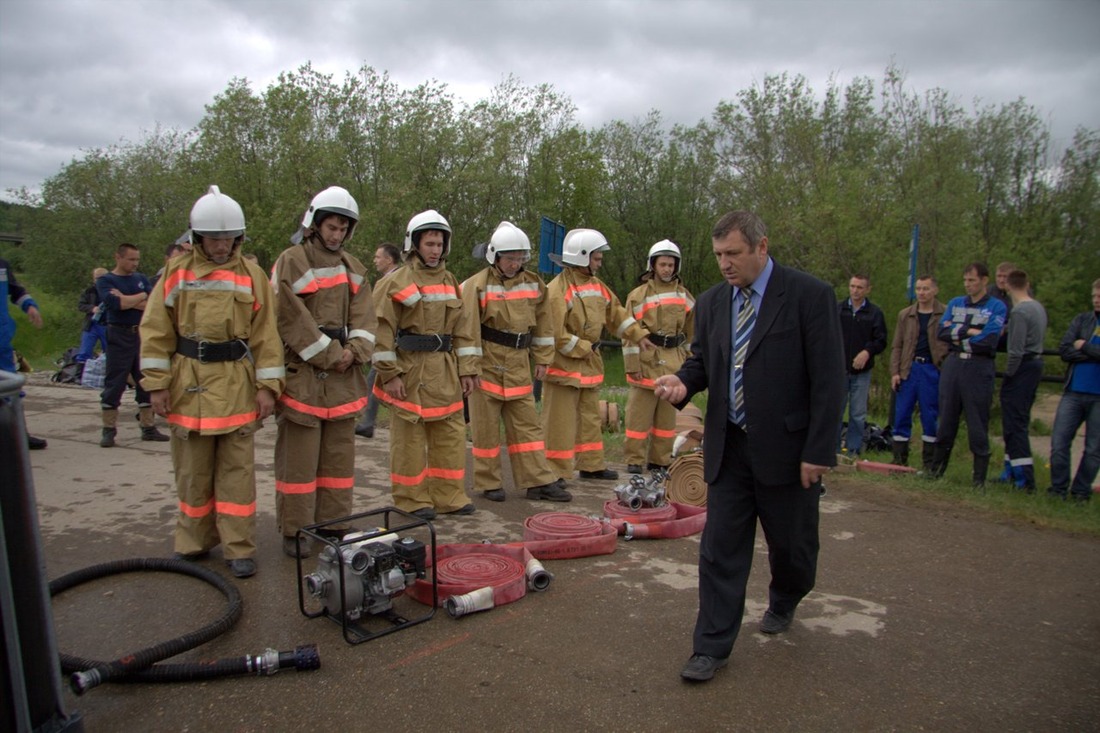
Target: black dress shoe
701	668
465	510
191	556
549	492
495	495
774	623
634	468
243	567
604	474
34	443
424	512
364	431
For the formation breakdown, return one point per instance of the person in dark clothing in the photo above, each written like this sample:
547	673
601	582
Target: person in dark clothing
863	327
971	326
10	289
95	330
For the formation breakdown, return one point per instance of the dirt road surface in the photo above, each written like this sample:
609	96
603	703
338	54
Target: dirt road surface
926	616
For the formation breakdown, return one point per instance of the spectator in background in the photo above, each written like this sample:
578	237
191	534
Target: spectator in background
999	290
95	330
971	326
863	327
915	359
387	258
175	248
123	293
1080	349
10	289
1027	329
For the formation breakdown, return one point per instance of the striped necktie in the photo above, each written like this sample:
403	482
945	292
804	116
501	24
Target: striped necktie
746	319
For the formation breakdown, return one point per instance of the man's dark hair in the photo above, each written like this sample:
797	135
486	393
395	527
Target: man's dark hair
391	251
125	246
861	276
749	224
1017	280
928	277
978	268
172	250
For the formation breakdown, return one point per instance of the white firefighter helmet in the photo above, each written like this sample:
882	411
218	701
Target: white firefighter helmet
507	238
427	221
217	216
664	248
333	200
579	245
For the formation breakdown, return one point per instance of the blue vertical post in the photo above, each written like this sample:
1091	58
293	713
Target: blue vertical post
914	246
551	237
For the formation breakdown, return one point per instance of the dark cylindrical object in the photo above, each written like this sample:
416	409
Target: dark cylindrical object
29	675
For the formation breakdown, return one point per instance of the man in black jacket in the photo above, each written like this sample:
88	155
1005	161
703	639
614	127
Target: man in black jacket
864	331
767	348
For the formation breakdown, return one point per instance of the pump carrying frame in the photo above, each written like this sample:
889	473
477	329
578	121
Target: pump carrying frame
394	521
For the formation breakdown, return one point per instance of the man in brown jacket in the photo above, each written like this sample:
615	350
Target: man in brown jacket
915	361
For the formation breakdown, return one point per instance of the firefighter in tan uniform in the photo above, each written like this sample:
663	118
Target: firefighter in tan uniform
426	361
580	307
327	323
664	308
212	363
515	326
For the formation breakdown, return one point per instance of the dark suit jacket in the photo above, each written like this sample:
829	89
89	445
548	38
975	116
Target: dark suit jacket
794	376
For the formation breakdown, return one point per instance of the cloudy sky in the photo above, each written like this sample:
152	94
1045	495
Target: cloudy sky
77	75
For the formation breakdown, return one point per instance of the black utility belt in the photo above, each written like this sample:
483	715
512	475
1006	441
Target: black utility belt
423	342
506	338
1031	357
124	327
208	351
666	342
336	334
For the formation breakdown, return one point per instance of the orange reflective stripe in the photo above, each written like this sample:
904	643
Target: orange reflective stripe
658	433
425	412
584	380
211	423
576	290
643	382
526	447
454	474
335	482
236	510
402	295
290	487
408	480
441	289
324	413
635	435
560	454
585	447
506	392
197	512
486	452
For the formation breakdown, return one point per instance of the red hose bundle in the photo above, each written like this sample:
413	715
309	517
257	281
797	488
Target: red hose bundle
461	569
561	535
684	520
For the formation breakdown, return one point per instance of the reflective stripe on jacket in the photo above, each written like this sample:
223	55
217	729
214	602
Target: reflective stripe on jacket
664	309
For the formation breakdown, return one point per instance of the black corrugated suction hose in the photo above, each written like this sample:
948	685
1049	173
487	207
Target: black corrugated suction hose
141	666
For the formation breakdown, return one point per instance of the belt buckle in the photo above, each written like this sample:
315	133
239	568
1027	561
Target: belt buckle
202	352
519	341
439	338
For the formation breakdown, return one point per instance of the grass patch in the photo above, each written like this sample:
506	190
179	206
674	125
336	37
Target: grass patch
61	328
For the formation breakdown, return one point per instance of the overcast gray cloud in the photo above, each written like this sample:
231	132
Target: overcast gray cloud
84	74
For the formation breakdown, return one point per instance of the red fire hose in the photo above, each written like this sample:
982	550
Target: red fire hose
668	522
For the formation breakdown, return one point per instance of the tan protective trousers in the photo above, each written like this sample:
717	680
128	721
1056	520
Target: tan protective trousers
648	418
216	486
571	424
314	474
428	463
523	437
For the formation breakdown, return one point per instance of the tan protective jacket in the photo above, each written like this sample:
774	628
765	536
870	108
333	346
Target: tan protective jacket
580	307
203	301
316	288
518	305
427	301
664	309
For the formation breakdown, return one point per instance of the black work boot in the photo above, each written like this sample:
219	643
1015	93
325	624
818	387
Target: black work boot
107	440
981	467
927	450
901	453
938	466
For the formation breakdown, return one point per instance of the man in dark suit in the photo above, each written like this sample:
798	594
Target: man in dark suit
768	348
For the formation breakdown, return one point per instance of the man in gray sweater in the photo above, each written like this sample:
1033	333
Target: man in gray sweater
1027	327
